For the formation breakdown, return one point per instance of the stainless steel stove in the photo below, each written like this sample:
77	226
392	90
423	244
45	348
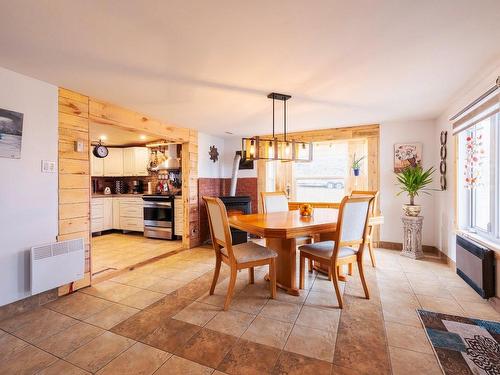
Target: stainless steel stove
159	216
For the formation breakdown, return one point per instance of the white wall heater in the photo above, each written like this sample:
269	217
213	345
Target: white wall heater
56	264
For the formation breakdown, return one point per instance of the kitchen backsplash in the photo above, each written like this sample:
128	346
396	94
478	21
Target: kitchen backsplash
100	183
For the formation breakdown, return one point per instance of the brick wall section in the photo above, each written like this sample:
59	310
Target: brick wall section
206	187
216	187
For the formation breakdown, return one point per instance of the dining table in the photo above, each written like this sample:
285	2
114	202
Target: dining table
281	230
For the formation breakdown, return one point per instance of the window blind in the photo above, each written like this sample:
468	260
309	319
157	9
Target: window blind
485	106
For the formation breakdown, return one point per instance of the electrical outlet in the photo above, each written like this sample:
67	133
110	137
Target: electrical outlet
48	166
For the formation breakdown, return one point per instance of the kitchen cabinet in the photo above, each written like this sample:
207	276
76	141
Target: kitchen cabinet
116	213
125	213
135	161
178	216
96	166
113	163
131	214
107	213
97	215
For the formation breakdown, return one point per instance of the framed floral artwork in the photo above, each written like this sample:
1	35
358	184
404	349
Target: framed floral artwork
407	155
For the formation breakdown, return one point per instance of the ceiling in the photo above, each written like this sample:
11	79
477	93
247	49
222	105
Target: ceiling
118	136
210	64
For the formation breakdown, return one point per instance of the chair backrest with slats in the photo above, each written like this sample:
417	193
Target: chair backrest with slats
274	202
219	225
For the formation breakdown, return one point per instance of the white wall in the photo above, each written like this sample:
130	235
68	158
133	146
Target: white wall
390	204
206	167
28	198
445	205
231	145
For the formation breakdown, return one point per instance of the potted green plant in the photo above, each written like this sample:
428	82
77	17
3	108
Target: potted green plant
412	181
356	164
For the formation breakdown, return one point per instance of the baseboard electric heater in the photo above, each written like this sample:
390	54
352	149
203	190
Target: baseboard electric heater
476	265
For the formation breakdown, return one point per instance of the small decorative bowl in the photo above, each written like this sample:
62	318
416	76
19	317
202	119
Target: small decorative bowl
306	210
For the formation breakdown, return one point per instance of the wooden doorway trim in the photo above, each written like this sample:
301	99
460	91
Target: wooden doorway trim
76	113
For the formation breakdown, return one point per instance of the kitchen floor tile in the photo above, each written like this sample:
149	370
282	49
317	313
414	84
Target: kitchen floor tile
138	359
181	366
207	347
99	352
231	322
268	332
248	357
111	316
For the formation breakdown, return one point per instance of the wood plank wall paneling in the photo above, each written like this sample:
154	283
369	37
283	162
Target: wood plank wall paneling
74	176
76	114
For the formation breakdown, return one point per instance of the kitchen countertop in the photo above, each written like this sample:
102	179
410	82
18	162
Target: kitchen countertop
129	195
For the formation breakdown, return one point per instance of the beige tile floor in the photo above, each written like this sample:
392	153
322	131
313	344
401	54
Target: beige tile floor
118	251
159	319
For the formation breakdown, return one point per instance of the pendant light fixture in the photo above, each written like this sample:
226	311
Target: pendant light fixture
283	149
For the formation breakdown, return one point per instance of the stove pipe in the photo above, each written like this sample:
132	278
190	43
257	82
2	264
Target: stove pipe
234	176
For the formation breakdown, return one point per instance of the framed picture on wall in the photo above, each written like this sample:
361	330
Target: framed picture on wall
11	133
407	155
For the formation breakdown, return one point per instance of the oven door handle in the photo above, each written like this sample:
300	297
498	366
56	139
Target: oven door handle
158	204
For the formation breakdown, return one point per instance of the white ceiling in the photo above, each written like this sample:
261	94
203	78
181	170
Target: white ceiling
210	64
118	136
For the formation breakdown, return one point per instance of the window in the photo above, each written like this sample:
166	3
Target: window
328	177
479	163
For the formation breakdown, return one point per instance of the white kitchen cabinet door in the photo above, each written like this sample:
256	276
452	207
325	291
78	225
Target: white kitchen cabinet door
113	163
108	213
116	213
96	166
135	161
129	161
141	161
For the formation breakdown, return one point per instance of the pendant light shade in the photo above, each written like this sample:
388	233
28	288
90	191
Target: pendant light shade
256	148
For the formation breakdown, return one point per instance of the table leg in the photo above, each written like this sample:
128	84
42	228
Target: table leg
286	273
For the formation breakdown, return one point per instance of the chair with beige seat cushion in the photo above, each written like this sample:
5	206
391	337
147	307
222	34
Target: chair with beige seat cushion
347	245
237	257
369	232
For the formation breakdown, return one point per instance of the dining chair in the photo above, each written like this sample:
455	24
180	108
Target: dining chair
278	202
369	235
237	257
274	202
347	244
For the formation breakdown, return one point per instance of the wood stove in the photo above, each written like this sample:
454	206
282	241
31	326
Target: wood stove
237	205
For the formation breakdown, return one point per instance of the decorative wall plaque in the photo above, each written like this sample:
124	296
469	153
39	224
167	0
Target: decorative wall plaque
214	154
443	153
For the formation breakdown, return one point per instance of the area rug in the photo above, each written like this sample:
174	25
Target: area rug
463	345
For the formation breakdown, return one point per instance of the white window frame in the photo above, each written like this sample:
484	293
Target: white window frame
493	232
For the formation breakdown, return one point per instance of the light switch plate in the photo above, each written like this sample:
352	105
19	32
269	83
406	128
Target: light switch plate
79	145
48	166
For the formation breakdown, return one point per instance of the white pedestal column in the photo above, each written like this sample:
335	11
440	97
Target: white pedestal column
412	241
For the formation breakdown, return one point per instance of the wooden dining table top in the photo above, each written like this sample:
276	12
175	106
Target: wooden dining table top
290	224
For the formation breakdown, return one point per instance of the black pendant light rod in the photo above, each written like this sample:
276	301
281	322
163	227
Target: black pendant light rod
284	118
273	117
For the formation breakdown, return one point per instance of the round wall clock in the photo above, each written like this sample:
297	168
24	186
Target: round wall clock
100	151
